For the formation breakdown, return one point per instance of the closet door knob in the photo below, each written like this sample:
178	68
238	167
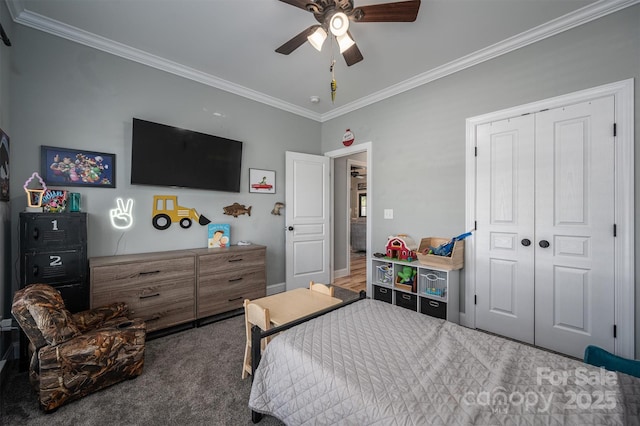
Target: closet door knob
525	242
544	243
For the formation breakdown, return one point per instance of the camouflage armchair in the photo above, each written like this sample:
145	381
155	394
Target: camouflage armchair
76	354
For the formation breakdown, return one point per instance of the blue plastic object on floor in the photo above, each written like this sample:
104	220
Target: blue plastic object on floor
600	358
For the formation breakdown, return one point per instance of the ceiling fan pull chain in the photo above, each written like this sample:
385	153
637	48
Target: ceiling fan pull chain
334	85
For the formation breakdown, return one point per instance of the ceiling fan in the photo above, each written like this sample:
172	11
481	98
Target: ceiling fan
356	174
334	17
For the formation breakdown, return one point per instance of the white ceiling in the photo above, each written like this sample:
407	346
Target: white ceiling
229	44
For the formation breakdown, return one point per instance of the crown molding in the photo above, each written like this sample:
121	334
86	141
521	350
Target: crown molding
581	16
51	26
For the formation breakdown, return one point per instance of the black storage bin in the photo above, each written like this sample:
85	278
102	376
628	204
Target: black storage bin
382	293
407	300
434	308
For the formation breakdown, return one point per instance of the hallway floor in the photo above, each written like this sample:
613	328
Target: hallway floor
358	279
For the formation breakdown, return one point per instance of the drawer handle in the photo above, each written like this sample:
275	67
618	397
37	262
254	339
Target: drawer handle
149	273
235	279
147	296
235	298
35	270
434	304
235	260
36	233
406	297
383	290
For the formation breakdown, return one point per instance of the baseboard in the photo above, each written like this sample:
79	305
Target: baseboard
276	288
340	273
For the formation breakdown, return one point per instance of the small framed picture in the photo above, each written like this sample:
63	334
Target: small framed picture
262	181
77	167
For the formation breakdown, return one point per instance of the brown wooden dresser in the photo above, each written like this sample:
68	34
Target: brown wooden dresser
175	287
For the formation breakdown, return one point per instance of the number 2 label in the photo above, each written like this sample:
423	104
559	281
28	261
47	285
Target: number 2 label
55	261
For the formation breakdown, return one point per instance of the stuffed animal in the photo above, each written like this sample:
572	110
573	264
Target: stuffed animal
407	274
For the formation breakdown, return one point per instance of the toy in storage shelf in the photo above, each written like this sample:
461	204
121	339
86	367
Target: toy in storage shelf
433	291
453	262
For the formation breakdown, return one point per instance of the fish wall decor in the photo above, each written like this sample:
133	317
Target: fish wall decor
236	210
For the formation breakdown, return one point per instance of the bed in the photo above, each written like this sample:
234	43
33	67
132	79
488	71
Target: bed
372	363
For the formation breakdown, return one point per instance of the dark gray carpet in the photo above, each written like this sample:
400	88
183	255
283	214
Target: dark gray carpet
192	377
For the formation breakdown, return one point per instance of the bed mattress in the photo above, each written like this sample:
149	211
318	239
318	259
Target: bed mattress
372	363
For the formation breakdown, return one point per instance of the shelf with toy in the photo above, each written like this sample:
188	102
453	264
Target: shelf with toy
383	273
433	283
406	277
430	290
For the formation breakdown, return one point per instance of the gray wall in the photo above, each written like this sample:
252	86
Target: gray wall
5	214
68	95
64	94
418	137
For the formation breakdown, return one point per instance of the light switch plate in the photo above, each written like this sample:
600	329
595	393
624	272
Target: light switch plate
388	213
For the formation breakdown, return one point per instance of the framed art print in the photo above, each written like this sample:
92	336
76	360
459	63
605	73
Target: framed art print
262	181
77	167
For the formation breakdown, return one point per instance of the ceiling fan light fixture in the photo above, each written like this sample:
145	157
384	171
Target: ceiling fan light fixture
317	38
345	42
339	24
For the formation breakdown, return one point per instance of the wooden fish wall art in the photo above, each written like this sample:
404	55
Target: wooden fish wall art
236	210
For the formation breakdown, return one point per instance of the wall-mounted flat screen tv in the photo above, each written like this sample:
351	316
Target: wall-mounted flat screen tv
163	155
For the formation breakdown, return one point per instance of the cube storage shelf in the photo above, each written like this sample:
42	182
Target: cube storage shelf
433	292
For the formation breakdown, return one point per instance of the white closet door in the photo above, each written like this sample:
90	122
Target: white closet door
574	273
505	221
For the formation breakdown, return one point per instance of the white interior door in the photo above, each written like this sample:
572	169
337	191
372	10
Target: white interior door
504	229
545	227
574	227
307	219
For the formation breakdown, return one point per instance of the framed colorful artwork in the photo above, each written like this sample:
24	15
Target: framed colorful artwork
262	181
77	167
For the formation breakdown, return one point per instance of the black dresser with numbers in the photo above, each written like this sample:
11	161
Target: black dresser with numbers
53	250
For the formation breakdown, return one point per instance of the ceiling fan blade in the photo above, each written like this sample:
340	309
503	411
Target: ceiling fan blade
352	55
404	11
302	4
296	41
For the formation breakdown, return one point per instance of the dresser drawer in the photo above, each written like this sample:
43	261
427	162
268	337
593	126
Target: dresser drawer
227	291
54	267
117	277
162	303
166	314
226	261
42	230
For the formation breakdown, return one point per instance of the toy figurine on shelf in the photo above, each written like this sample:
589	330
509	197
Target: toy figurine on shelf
446	248
407	275
401	247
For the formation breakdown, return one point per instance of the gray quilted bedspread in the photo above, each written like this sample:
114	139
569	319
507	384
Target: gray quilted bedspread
371	363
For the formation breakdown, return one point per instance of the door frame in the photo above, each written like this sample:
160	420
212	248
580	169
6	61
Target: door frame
624	201
343	152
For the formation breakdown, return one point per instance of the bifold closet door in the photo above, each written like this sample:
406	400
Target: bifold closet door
545	218
574	242
505	224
